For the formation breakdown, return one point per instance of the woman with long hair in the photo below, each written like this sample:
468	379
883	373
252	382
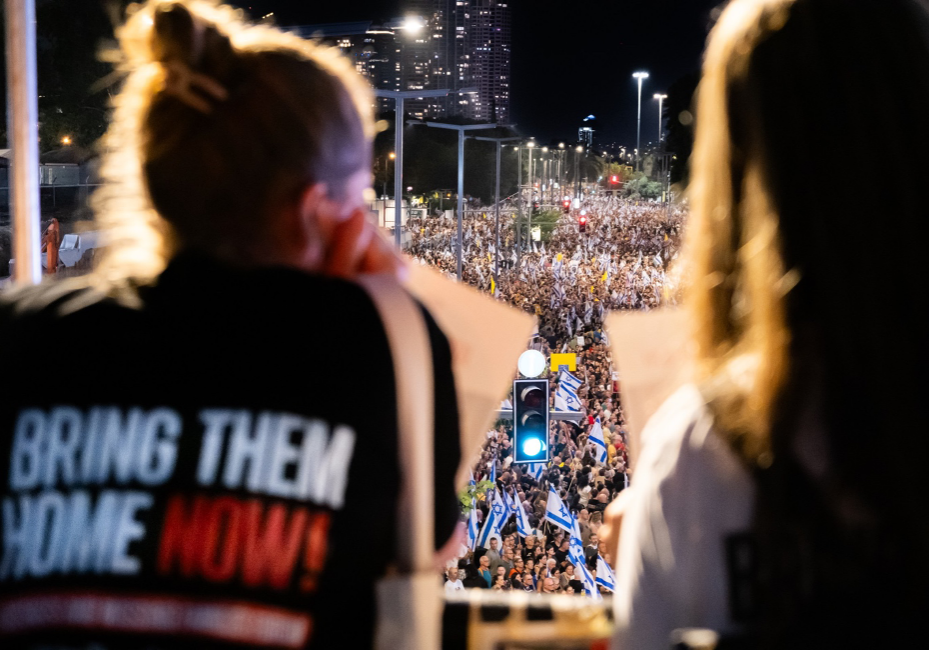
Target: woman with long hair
782	494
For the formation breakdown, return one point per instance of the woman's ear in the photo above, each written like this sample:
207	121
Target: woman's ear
301	240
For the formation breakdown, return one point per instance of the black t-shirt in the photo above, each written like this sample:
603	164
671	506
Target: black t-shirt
213	464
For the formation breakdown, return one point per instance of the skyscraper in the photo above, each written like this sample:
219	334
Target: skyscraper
436	44
489	52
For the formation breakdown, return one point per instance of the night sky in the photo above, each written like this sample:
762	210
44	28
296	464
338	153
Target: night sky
571	58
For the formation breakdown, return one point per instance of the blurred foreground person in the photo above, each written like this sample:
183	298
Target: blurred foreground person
782	496
198	472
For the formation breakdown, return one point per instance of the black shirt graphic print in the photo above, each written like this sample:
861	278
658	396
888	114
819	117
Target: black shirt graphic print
213	465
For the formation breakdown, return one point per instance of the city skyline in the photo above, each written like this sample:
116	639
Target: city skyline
569	60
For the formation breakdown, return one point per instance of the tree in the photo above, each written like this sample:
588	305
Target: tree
471	493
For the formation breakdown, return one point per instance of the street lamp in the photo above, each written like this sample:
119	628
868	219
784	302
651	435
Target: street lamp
461	128
399	97
577	178
660	99
412	25
499	142
641	76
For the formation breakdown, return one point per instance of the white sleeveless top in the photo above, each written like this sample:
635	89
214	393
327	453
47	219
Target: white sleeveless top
689	493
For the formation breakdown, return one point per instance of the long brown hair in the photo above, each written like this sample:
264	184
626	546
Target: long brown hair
207	166
800	339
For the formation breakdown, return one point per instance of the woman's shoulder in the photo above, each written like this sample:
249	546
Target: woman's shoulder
682	448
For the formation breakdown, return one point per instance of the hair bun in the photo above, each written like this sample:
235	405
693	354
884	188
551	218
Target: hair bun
179	35
176	35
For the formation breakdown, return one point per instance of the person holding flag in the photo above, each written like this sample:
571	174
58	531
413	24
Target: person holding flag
605	577
556	511
596	438
496	517
472	525
523	527
568	380
566	399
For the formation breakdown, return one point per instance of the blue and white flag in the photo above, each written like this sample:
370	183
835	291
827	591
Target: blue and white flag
537	471
496	517
566	400
472	527
605	577
587	579
556	511
511	502
567	379
522	520
492	477
596	437
576	544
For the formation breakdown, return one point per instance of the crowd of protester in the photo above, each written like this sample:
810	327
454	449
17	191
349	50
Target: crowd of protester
621	260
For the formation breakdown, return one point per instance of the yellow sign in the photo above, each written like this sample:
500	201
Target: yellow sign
605	276
569	360
493	287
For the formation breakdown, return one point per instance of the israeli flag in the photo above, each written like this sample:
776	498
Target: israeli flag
587	579
556	511
522	521
605	577
472	527
576	544
496	516
538	471
511	502
566	400
493	472
507	510
596	437
567	379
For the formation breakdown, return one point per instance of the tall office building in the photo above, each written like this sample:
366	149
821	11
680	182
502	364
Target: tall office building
436	44
488	61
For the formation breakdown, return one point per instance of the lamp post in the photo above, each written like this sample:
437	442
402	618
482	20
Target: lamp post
499	142
660	99
577	185
641	76
461	128
399	97
545	179
531	146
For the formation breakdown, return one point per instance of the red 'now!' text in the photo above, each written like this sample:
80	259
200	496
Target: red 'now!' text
221	538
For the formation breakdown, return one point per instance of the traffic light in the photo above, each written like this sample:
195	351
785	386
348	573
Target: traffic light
582	221
566	206
614	179
536	206
530	421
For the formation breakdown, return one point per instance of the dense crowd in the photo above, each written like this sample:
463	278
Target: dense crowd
621	260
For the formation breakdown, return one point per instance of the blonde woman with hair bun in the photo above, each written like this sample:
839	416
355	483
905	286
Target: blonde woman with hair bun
198	471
